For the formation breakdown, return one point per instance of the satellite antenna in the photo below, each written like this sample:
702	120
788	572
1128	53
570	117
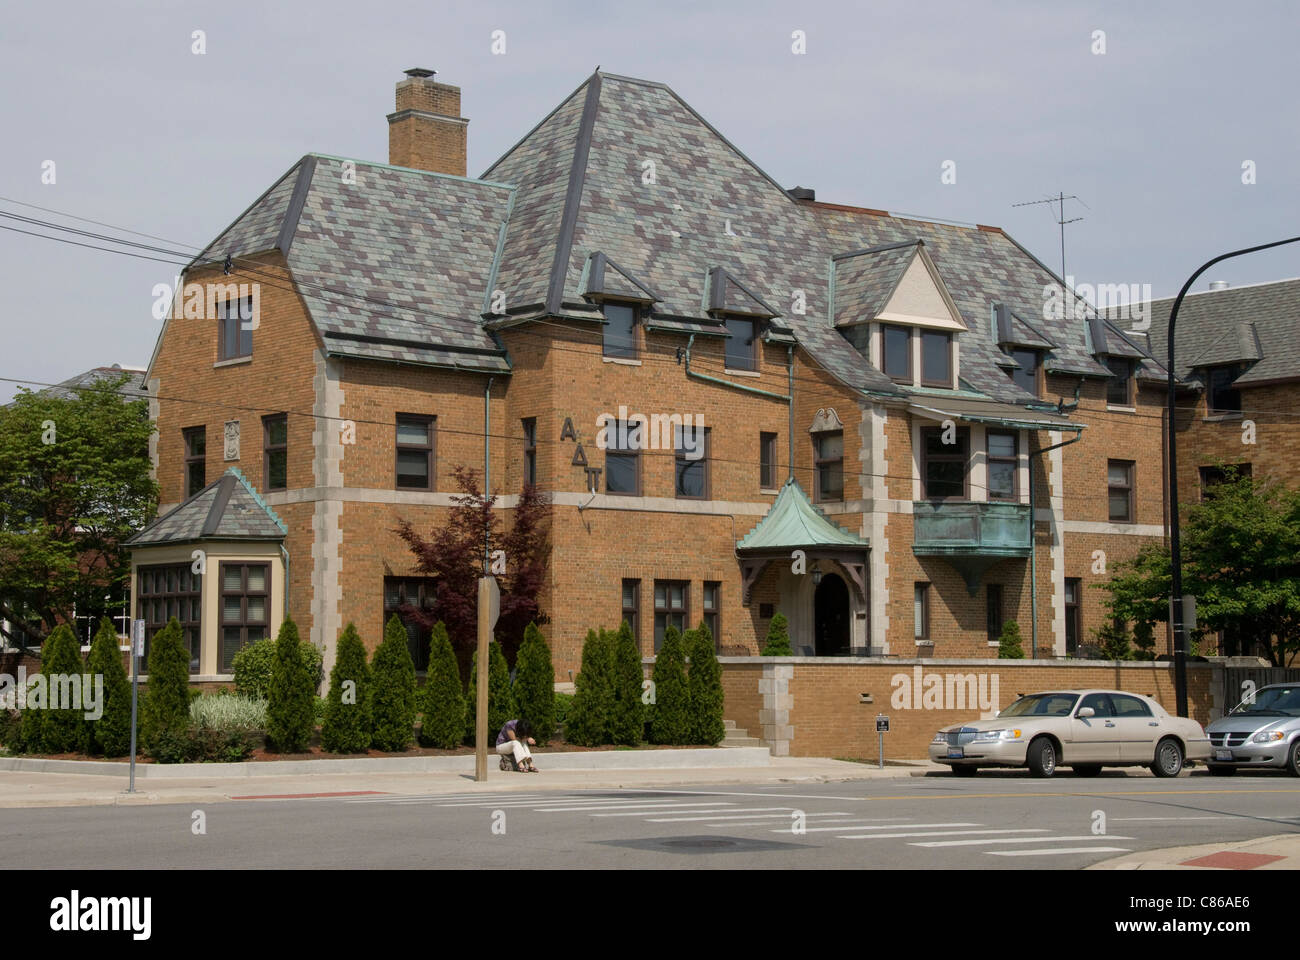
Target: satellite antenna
1059	199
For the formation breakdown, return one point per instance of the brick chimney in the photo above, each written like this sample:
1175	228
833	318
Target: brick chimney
427	132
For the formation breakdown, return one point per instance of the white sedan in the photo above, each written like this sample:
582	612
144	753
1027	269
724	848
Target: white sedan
1082	729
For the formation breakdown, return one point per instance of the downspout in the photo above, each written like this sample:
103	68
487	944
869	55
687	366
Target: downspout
1033	543
487	463
284	552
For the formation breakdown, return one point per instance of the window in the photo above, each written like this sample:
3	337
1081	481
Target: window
936	358
766	611
712	607
1119	388
692	462
245	599
632	607
993	612
1073	618
623	457
1026	376
1100	703
943	470
275	451
1003	465
234	328
620	331
1129	706
896	352
196	470
1119	480
1213	476
921	611
828	457
767	461
163	592
670	607
414	464
400	595
530	450
1220	397
742	344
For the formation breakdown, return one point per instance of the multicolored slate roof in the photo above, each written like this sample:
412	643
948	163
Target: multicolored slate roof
132	389
226	509
1254	325
625	176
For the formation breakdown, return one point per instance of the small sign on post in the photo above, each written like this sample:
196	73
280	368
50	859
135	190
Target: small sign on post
882	728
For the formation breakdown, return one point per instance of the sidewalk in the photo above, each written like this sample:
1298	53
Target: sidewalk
24	788
1281	852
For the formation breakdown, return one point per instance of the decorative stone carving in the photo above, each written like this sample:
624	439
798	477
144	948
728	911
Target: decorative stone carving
232	440
826	419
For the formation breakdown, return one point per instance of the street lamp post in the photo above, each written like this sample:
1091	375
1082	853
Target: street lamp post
1175	557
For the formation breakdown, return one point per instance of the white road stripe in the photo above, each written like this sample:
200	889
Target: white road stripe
935	833
630	805
713	814
568	802
865	825
1050	852
739	816
979	843
1171	819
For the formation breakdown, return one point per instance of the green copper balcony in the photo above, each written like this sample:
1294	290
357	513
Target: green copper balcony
969	535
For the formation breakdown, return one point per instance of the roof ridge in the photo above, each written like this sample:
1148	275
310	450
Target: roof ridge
415	170
257	497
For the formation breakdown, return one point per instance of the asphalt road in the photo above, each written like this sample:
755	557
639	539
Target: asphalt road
986	823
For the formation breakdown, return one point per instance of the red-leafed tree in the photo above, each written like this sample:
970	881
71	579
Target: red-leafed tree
453	555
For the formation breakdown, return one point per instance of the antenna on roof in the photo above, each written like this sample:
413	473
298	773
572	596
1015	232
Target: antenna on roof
1059	199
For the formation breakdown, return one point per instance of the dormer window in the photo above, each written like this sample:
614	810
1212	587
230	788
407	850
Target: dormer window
1220	395
1119	389
1025	376
896	352
742	344
936	358
620	331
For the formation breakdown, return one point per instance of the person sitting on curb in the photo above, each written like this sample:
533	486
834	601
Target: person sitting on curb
513	741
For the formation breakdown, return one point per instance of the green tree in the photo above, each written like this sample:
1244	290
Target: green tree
393	690
705	685
501	699
442	703
535	684
1112	641
290	713
1010	644
165	716
670	714
778	638
253	664
627	682
587	722
45	728
1144	641
110	734
348	725
1241	560
74	486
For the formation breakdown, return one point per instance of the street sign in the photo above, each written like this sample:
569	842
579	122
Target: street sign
882	723
882	728
137	638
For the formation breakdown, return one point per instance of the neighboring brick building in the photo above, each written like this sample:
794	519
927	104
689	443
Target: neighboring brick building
893	380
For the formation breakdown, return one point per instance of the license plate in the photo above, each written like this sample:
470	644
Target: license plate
956	754
1222	754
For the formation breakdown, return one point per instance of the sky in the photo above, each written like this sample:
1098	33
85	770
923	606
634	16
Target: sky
1015	101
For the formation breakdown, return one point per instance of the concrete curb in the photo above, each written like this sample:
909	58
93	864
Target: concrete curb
586	760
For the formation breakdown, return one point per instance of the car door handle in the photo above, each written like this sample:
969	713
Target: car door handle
1153	723
1109	723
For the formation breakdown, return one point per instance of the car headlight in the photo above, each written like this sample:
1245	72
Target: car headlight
1268	736
989	735
940	737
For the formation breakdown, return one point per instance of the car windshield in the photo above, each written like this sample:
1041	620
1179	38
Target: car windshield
1274	701
1041	705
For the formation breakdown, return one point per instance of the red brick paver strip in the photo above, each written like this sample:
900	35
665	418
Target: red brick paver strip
1231	860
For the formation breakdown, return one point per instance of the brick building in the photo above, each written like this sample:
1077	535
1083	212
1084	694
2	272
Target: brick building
739	399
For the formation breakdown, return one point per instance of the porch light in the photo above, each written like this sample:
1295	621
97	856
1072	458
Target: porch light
816	574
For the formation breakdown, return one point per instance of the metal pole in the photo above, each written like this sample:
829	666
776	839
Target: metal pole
880	747
135	689
484	626
1175	538
1033	545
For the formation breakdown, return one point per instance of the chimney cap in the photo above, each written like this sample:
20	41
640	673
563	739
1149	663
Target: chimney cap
1218	284
802	193
419	72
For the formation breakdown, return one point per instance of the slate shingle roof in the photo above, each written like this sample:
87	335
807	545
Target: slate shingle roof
626	169
1256	324
226	509
132	389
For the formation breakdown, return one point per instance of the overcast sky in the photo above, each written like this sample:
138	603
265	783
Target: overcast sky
1151	135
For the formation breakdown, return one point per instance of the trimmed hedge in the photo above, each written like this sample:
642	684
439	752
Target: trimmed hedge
705	685
670	716
110	735
165	715
535	684
778	638
393	700
627	712
501	699
588	720
290	713
44	729
348	726
442	702
253	664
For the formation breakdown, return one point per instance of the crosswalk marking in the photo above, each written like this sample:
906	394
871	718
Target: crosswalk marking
1051	852
740	816
977	843
891	826
650	806
936	833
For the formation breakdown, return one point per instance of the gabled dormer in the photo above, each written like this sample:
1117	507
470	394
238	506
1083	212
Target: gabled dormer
745	315
1024	348
891	303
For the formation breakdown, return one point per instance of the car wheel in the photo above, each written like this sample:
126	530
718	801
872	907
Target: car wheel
964	770
1169	758
1217	771
1042	757
1086	769
1293	759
